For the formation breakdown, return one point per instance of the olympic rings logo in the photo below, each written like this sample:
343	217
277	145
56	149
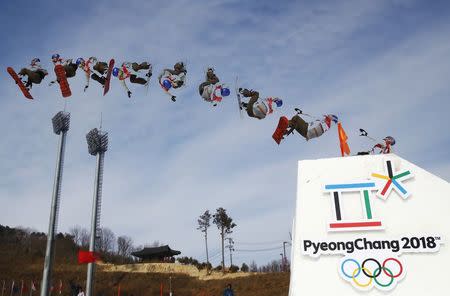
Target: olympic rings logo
372	276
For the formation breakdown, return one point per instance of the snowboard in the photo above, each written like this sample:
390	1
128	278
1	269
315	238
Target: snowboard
62	80
279	131
19	82
108	76
238	95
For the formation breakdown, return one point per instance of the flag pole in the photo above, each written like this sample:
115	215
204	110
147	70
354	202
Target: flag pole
12	288
21	288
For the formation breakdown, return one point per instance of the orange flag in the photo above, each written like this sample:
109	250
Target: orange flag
345	149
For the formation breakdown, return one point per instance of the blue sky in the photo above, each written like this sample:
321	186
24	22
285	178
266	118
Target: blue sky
379	65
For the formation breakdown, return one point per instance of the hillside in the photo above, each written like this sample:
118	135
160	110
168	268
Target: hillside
22	257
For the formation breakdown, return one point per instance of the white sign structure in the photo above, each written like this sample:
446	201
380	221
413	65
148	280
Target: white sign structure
372	225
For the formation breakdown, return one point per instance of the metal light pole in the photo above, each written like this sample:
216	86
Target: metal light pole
61	123
282	264
284	256
97	145
230	246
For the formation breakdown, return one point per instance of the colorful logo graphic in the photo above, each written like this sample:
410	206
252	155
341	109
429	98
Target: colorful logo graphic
365	273
369	261
340	224
383	184
367	264
392	182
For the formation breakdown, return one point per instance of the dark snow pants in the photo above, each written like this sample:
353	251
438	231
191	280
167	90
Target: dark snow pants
254	96
33	76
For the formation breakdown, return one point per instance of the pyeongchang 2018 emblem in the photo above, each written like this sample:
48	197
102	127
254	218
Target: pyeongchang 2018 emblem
392	181
369	262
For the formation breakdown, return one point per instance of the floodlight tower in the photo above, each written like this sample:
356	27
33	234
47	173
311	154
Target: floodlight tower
97	141
61	123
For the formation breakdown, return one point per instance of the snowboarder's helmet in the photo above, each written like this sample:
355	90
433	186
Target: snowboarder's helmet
80	61
279	102
115	71
35	60
390	140
225	92
167	84
55	56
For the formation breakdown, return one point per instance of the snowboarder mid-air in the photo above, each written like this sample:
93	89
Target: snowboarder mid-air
211	79
68	65
175	78
93	69
132	71
384	146
70	68
381	147
63	69
310	130
35	73
211	90
258	108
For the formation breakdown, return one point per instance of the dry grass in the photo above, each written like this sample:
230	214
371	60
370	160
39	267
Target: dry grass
19	261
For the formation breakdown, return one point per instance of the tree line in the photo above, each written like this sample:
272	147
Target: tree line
29	243
28	246
113	249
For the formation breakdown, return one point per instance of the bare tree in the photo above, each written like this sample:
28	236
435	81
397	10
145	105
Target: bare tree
75	232
124	246
80	236
224	224
253	267
203	225
106	241
84	238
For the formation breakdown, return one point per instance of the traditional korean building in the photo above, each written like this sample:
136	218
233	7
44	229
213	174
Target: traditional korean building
156	254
